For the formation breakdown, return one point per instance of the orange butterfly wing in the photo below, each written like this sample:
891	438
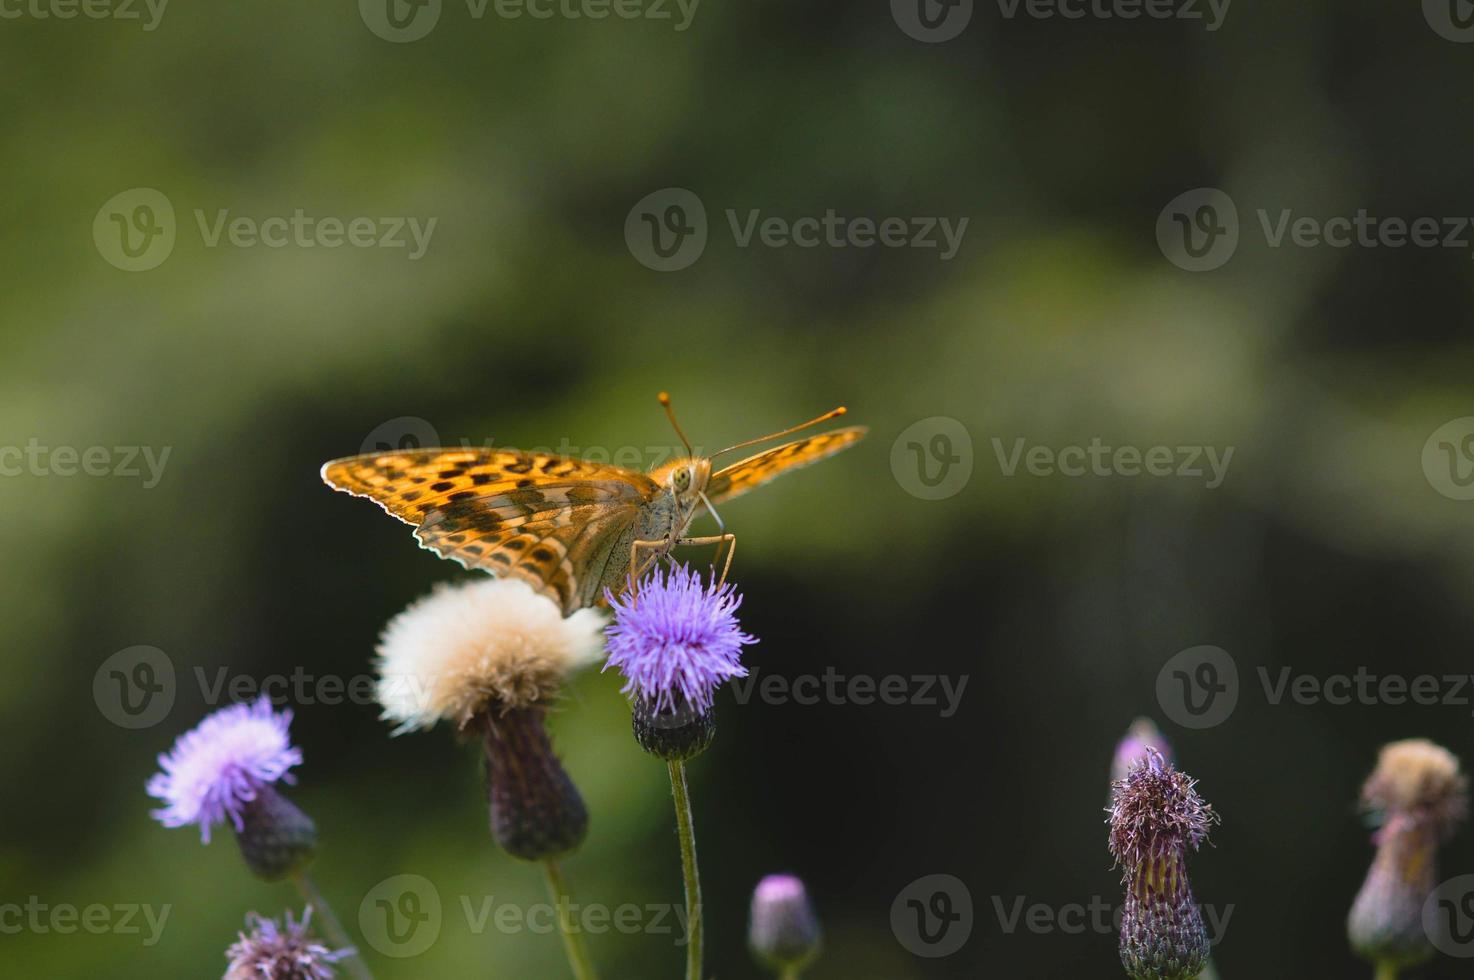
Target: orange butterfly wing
552	521
758	469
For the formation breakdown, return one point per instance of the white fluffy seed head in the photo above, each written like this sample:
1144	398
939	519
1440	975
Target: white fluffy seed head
492	644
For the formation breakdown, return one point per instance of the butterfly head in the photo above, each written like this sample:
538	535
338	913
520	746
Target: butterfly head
687	478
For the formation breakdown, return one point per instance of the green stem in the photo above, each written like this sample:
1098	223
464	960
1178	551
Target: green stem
688	867
1386	971
789	973
573	942
331	928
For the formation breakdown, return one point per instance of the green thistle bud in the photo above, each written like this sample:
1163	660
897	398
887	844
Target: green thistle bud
676	733
1162	931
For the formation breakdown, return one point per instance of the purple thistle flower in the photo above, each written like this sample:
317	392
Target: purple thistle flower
676	639
272	952
215	770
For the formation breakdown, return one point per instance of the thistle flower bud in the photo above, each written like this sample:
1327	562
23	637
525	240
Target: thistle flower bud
536	811
276	838
1417	796
281	952
675	733
1141	736
783	932
1156	819
489	657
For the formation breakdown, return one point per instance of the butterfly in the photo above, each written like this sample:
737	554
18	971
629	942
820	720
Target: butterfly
568	527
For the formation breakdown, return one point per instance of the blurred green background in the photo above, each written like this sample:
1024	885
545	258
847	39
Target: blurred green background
528	321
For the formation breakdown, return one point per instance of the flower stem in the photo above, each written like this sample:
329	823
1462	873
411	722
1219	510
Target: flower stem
331	928
688	867
573	944
1386	971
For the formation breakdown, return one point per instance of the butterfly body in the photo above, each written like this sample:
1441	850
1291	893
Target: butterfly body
568	527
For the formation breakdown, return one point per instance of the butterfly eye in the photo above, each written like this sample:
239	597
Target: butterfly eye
682	480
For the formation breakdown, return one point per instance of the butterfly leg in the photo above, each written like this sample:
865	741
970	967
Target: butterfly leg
727	539
639	566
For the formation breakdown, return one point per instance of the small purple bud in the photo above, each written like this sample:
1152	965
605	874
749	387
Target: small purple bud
1418	797
784	931
1132	749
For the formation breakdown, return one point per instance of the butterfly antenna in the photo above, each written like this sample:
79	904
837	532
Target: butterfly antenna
670	413
832	414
